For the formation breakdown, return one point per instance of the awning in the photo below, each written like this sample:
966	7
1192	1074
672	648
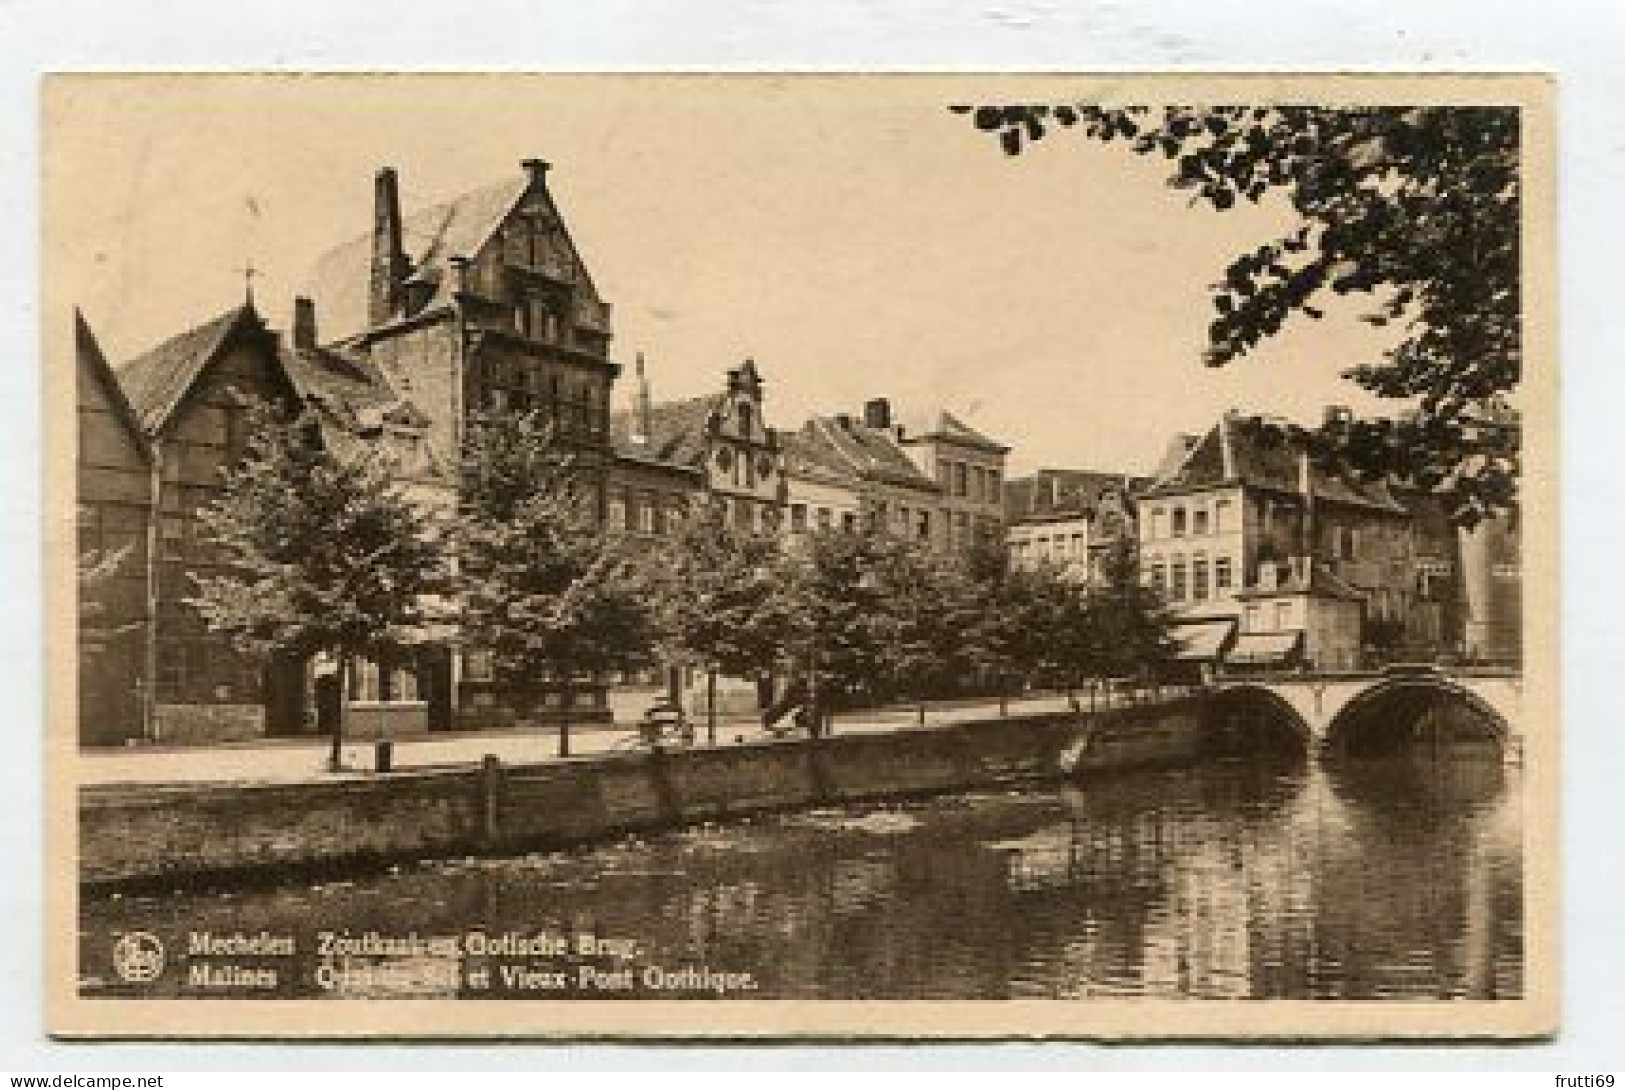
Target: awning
1264	648
1202	641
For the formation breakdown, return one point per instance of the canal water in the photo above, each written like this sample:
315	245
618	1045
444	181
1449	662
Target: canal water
1242	878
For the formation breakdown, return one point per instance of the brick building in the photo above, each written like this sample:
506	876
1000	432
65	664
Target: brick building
480	305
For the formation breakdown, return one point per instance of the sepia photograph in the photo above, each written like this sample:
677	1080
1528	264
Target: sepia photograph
751	555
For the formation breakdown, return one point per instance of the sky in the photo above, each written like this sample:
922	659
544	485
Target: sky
849	233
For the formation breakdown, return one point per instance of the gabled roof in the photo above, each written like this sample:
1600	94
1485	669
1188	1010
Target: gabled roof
946	426
356	403
809	456
341	283
678	431
871	453
1062	493
1259	452
95	364
157	380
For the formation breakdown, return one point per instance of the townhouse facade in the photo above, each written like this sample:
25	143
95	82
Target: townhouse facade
1271	560
1069	518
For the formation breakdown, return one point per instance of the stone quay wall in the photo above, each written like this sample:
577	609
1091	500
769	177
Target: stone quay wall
146	834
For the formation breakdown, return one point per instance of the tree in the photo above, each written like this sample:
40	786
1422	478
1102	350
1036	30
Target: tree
543	589
1130	620
836	609
719	600
1416	207
928	604
321	553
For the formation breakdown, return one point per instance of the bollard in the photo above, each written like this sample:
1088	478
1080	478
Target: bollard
383	755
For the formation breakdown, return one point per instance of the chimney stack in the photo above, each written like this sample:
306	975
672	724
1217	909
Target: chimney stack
389	266
877	413
304	324
537	169
459	273
643	411
1337	414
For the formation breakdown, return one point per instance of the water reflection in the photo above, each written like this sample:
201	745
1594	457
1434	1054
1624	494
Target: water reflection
1242	878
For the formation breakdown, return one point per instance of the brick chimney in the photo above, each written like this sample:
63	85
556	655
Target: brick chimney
877	413
643	411
389	264
304	324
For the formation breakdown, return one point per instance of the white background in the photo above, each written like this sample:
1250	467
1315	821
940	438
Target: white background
1580	41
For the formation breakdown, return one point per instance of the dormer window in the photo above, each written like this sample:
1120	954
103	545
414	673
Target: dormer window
746	415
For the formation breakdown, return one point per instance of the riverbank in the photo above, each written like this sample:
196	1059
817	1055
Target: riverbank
146	833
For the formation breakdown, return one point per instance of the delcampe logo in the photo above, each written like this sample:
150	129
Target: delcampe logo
138	957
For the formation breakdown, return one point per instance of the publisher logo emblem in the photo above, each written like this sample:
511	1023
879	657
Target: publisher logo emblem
138	957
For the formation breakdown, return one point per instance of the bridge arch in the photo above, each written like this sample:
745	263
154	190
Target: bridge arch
1247	716
1394	713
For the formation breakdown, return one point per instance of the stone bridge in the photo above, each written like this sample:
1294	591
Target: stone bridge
1336	712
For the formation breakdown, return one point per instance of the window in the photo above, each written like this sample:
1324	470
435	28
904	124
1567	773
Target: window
745	415
1178	587
1159	523
646	514
1079	549
993	495
798	517
923	526
1199	522
1159	575
1283	616
1199	579
1223	576
849	521
1179	522
1221	517
824	518
1254	618
961	478
617	513
978	483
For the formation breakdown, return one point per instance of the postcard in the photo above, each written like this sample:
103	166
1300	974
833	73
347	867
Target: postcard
834	556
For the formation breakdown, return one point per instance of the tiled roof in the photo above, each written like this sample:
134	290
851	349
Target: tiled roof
872	453
90	355
341	283
156	380
808	454
1264	453
355	401
1060	493
678	431
943	424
